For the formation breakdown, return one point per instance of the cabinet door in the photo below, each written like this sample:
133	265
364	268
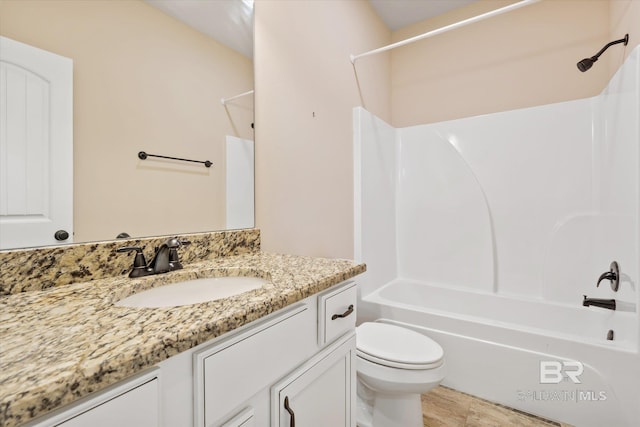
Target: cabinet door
321	393
130	403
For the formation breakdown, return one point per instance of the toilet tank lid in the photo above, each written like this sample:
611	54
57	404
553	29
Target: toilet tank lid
397	344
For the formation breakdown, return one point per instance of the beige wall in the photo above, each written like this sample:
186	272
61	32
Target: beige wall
304	167
305	92
519	59
624	18
306	88
142	81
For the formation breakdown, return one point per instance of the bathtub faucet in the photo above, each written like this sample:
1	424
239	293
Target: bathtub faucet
603	303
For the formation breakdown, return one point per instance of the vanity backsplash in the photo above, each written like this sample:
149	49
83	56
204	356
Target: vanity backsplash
35	269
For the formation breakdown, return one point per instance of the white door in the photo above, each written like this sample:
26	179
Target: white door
36	145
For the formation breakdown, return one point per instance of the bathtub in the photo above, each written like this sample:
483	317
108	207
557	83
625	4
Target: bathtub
550	360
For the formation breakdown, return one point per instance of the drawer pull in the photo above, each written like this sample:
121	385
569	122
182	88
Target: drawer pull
345	314
290	411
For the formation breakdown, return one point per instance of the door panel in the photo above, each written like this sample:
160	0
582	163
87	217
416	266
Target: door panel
36	145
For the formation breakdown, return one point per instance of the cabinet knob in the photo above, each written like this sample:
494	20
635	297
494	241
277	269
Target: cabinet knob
290	411
61	235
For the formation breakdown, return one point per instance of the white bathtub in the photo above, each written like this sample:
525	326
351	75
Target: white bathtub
494	346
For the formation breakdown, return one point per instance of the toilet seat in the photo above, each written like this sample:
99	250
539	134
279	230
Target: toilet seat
397	347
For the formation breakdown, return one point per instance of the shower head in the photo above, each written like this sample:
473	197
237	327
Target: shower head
586	63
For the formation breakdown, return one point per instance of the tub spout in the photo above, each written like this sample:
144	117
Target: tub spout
603	303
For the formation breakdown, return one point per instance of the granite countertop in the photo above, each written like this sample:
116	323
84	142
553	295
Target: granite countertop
61	344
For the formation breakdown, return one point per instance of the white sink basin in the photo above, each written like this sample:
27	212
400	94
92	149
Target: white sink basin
192	292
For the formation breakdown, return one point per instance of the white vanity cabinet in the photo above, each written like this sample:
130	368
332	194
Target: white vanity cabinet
304	353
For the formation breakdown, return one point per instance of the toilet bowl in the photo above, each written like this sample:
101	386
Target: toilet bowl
395	365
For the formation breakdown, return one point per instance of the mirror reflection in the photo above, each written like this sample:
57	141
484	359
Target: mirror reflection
144	80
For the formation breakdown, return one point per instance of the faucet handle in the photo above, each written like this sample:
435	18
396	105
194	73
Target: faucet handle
172	242
613	275
174	258
139	262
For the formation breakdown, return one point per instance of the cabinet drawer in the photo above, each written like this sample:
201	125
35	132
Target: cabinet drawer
130	403
337	312
229	373
135	408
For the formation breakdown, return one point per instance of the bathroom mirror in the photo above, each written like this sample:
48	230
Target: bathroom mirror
144	80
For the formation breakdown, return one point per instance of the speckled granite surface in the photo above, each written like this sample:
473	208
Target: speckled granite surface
42	268
62	343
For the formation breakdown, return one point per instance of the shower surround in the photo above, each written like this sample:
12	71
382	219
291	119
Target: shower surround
485	233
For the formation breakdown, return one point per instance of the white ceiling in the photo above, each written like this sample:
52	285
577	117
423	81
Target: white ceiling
397	14
228	21
231	21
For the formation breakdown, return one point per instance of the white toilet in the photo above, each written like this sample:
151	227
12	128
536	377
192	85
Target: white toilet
394	366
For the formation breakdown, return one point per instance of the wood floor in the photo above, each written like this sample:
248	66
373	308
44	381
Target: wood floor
445	407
